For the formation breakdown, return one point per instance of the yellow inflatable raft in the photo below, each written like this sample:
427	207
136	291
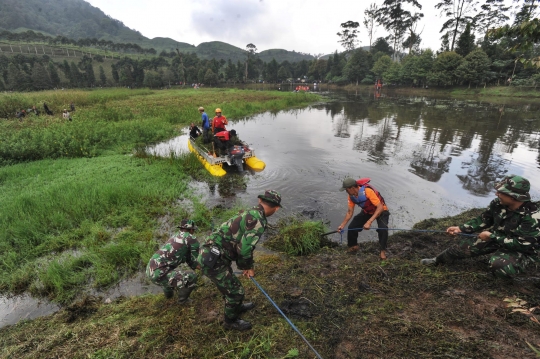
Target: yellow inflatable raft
214	165
215	169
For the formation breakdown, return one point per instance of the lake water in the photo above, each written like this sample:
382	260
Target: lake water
428	157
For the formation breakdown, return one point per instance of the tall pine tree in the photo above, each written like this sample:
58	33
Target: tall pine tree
102	77
40	77
90	76
13	77
465	43
66	70
75	75
53	73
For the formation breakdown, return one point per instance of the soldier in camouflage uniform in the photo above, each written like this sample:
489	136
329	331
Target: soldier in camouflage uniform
163	266
514	236
235	240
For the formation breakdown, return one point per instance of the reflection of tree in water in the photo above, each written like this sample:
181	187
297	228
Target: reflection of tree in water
485	168
427	164
341	127
481	176
334	108
430	168
375	145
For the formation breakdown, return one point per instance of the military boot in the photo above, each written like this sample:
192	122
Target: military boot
246	306
168	292
429	261
236	324
184	292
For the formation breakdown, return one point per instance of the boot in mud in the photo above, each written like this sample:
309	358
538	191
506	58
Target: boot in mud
168	292
184	292
246	306
236	324
429	261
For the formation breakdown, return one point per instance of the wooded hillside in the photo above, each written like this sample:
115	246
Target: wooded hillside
77	19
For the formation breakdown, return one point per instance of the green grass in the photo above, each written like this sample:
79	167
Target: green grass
297	236
76	208
104	209
116	120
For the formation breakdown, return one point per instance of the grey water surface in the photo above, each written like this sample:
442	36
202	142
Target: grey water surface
428	157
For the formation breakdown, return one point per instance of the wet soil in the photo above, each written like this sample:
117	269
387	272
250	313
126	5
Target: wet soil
347	306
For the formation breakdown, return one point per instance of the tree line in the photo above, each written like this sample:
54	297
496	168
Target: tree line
470	54
478	45
471	65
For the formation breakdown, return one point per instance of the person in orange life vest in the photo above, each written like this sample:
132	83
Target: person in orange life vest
224	140
373	208
219	122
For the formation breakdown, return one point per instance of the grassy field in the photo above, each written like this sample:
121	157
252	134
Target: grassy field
77	208
347	306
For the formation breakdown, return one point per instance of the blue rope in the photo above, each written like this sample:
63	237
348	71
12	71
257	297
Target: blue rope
284	316
410	230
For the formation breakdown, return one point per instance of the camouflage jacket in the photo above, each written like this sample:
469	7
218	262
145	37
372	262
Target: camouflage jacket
182	248
238	236
513	230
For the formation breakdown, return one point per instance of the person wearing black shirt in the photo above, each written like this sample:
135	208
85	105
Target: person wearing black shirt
194	131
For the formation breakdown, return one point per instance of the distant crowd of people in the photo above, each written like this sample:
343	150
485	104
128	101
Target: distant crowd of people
21	114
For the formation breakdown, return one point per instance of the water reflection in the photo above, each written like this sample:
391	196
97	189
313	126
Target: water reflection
430	157
480	176
341	128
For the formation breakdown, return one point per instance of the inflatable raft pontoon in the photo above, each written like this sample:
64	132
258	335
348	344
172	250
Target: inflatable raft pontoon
214	165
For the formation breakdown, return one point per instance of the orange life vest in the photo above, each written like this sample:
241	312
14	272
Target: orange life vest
361	200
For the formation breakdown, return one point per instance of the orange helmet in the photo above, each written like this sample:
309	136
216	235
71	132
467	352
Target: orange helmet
218	110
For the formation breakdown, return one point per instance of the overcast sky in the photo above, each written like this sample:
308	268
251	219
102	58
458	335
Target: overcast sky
308	26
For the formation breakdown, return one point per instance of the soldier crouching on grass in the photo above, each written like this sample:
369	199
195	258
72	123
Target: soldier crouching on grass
512	242
235	240
163	266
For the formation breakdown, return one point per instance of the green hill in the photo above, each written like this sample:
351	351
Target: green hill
77	19
283	55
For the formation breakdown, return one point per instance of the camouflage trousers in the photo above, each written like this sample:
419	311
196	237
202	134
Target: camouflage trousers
502	262
226	282
170	278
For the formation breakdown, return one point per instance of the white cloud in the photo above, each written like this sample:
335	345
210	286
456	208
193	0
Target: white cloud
300	25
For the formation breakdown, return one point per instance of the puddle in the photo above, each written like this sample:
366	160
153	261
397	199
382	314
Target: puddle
23	307
137	285
176	146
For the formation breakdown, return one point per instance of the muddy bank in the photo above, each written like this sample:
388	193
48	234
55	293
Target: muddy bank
347	306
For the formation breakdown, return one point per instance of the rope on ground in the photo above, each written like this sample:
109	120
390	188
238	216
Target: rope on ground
284	316
410	230
395	229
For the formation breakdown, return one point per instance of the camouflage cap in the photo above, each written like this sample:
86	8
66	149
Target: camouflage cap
187	224
516	187
272	197
348	183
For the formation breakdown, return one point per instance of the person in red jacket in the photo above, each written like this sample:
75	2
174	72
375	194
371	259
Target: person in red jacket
363	195
219	122
224	140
